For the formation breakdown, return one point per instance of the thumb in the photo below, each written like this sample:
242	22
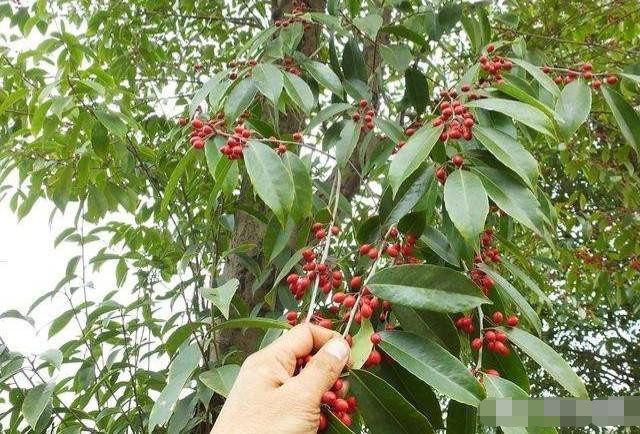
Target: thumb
323	369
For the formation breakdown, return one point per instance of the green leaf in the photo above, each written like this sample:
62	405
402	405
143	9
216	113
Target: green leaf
369	25
269	81
53	357
11	99
324	75
509	152
439	243
522	304
328	113
112	122
420	395
180	372
427	286
202	93
467	204
513	198
362	344
39	116
520	274
518	111
549	360
260	323
625	115
382	407
99	140
353	64
180	335
434	365
177	173
35	402
573	107
398	56
271	180
542	78
12	313
347	141
302	183
461	418
510	367
239	99
412	154
417	90
392	209
522	91
222	295
336	426
221	379
432	325
299	92
60	322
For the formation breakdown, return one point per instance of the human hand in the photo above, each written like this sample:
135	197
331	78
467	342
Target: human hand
266	397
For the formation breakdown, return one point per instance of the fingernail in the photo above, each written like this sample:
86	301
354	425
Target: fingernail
338	348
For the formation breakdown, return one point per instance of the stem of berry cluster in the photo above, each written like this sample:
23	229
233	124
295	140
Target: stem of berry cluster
480	326
372	270
327	244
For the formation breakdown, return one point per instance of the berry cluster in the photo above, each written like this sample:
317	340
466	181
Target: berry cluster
456	118
367	303
327	278
320	231
291	67
366	113
493	65
280	147
234	147
487	254
202	130
341	408
236	65
441	172
299	8
585	71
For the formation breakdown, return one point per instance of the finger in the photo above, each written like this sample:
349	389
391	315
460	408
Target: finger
322	370
303	339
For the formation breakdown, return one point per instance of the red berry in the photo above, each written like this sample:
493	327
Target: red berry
339	297
596	84
356	117
490	48
335	230
346	419
329	397
373	253
376	338
326	323
322	422
364	249
587	67
198	144
490	335
612	79
353	403
197	123
498	317
392	251
297	136
337	385
366	311
292	315
363	103
374	358
492	372
320	234
349	301
457	160
356	282
182	122
512	321
341	405
476	344
501	337
441	174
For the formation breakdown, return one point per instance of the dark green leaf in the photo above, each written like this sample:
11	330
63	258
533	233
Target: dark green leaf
324	75
625	116
467	203
518	111
461	418
347	141
550	361
398	56
434	365
35	402
271	180
412	154
426	286
269	81
299	91
383	409
222	295
392	209
353	64
417	90
221	379
239	99
573	107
